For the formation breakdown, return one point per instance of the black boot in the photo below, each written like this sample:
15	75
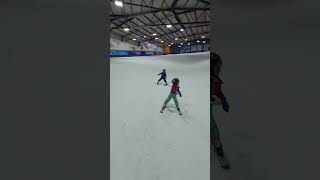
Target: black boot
163	107
219	151
179	111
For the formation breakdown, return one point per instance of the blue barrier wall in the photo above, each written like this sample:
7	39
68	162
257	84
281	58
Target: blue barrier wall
118	53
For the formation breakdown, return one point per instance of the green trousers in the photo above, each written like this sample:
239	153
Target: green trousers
174	97
214	131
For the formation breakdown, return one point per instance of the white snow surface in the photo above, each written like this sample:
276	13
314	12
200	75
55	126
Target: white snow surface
148	145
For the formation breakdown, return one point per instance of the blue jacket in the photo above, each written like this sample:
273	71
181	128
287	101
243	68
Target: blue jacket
163	75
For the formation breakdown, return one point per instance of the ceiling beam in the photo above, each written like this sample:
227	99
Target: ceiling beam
205	2
192	42
134	4
174	3
122	23
185	12
179	20
117	17
156	25
179	30
172	32
186	37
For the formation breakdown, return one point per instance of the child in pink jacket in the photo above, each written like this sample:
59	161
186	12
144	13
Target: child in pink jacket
174	91
217	97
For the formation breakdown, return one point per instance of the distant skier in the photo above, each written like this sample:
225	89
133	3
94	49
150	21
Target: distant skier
163	77
217	98
173	93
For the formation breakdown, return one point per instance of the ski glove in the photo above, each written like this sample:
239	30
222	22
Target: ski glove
225	105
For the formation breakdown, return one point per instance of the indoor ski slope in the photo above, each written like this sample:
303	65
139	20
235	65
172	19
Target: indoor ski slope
148	145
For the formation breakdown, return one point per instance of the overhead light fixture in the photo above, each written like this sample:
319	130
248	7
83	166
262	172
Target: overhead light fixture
181	43
186	39
145	36
203	41
156	38
176	39
169	26
154	34
126	29
162	41
181	29
179	46
171	43
119	3
203	37
188	44
198	41
134	39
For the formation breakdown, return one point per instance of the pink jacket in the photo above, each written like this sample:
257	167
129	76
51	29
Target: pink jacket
215	87
175	89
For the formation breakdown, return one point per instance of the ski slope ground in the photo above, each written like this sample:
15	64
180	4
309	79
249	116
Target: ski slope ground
148	145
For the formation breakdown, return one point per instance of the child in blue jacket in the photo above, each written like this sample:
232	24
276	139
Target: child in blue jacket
163	77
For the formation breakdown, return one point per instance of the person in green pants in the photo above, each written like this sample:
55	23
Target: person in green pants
173	95
214	130
216	98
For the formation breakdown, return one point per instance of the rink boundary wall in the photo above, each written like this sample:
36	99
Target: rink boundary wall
128	53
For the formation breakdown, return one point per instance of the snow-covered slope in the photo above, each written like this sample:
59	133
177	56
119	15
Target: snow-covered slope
148	145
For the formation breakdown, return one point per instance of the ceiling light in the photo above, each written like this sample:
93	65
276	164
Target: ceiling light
179	46
181	43
134	39
162	41
181	29
145	36
186	39
169	26
118	3
203	37
203	41
126	29
171	43
154	34
176	39
198	41
188	44
156	38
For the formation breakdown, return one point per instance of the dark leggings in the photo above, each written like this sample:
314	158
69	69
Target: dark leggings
163	79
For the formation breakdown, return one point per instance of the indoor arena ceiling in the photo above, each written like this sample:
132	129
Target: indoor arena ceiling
161	22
